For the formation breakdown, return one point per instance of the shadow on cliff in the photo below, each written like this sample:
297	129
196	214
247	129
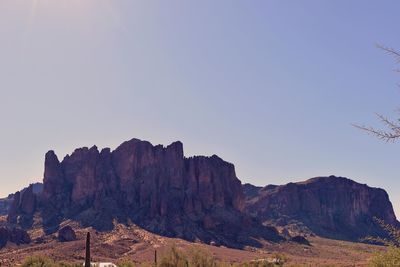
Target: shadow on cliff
231	229
331	207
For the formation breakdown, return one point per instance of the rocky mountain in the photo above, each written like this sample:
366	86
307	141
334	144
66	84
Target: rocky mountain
195	198
333	207
5	203
156	187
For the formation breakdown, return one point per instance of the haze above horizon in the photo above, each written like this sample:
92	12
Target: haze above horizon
270	86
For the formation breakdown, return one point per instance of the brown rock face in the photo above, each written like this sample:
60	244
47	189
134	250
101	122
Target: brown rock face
14	235
66	234
300	240
5	204
332	206
4	236
154	186
19	236
23	206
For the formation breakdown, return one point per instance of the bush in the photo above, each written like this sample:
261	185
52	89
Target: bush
200	258
38	261
42	261
174	258
125	263
276	260
389	258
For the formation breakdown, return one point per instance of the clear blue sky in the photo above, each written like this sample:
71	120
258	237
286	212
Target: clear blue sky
271	86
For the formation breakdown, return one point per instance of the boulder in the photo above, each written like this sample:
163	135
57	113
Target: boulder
300	240
66	234
19	236
14	235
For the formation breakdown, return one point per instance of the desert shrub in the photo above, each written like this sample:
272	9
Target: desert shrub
125	263
281	259
194	258
174	258
42	261
388	258
256	264
38	261
200	258
275	260
63	264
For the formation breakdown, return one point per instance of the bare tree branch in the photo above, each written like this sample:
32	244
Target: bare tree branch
393	132
391	51
388	137
390	124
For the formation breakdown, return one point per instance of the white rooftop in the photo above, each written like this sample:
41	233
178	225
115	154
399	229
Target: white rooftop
102	264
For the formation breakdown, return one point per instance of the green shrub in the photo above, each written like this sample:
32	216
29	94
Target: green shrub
200	258
42	261
38	261
174	258
125	263
389	258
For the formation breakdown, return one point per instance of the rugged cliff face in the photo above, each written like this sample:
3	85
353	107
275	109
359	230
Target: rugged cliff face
332	206
14	235
197	198
156	187
5	204
23	206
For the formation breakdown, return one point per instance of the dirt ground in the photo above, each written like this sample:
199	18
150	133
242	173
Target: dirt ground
138	245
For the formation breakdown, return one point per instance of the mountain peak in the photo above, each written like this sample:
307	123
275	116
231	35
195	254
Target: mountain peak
156	187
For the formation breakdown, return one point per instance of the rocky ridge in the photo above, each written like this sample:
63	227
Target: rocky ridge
155	187
197	198
5	203
333	207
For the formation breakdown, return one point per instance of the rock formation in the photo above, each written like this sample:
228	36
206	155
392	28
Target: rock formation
196	198
23	207
6	203
4	236
300	240
156	187
14	235
66	234
333	207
